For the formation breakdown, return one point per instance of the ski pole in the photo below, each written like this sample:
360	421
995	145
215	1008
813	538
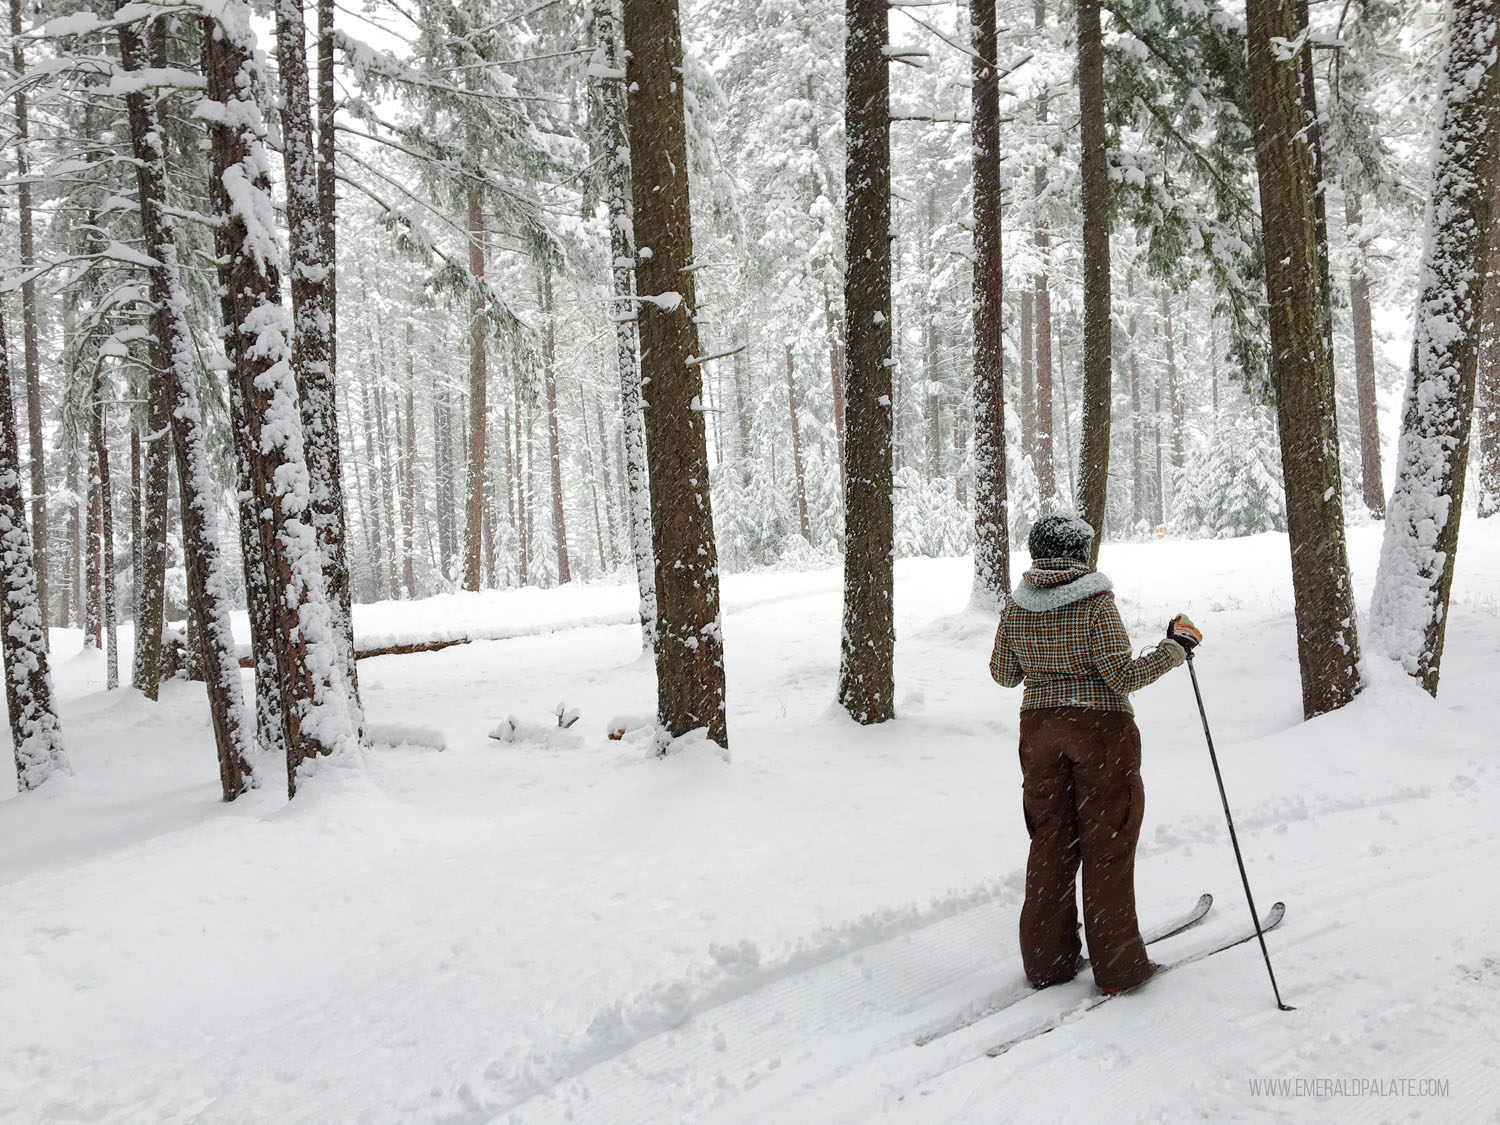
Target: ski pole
1229	819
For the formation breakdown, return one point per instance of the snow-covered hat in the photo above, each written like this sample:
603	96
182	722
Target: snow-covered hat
1060	535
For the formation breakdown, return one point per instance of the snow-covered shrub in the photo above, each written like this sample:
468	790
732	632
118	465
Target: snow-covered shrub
929	519
1234	487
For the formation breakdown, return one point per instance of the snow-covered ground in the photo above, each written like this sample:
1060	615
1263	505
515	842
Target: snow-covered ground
562	928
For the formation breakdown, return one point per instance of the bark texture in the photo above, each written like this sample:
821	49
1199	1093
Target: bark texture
554	448
1093	453
478	385
1409	612
1301	364
991	509
29	325
315	706
615	144
1364	367
312	282
1488	388
34	730
867	684
689	649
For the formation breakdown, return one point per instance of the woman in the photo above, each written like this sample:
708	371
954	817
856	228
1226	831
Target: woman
1080	756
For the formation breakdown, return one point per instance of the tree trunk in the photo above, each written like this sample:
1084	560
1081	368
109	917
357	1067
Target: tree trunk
616	149
1158	500
1041	450
867	682
93	628
1314	140
310	223
523	512
1364	366
442	473
991	506
1174	390
1409	612
837	356
474	509
1301	365
791	401
150	541
29	321
1488	389
549	370
106	534
1028	374
409	497
377	524
315	705
75	544
389	511
1093	464
689	649
1137	469
34	731
600	455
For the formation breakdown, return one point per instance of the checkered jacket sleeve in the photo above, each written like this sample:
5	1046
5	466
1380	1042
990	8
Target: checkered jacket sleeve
1112	655
1005	666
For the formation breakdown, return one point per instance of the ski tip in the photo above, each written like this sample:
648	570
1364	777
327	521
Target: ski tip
1274	915
1205	901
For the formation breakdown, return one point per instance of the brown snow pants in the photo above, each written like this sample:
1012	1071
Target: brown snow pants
1083	800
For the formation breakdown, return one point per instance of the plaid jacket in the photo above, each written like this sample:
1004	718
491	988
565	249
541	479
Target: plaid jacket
1061	632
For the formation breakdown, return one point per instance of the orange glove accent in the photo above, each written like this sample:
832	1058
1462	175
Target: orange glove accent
1184	632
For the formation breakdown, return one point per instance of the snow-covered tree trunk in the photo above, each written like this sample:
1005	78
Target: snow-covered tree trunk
690	644
173	384
1364	365
311	286
1301	364
315	704
554	446
34	731
1093	454
1174	386
1137	420
29	326
991	507
523	506
867	683
1041	450
100	445
1028	373
409	479
803	527
837	365
599	456
478	385
1409	612
93	614
150	538
1487	414
610	74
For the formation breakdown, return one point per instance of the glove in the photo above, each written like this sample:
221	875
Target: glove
1175	652
1184	632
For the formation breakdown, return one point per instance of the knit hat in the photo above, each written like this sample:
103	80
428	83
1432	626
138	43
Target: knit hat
1060	535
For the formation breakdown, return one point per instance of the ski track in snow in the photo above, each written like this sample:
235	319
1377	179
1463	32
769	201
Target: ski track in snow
573	932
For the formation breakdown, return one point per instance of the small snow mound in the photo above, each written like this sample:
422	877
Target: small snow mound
513	731
693	744
620	726
397	736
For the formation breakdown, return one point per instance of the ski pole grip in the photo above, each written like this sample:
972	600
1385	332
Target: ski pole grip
1184	632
